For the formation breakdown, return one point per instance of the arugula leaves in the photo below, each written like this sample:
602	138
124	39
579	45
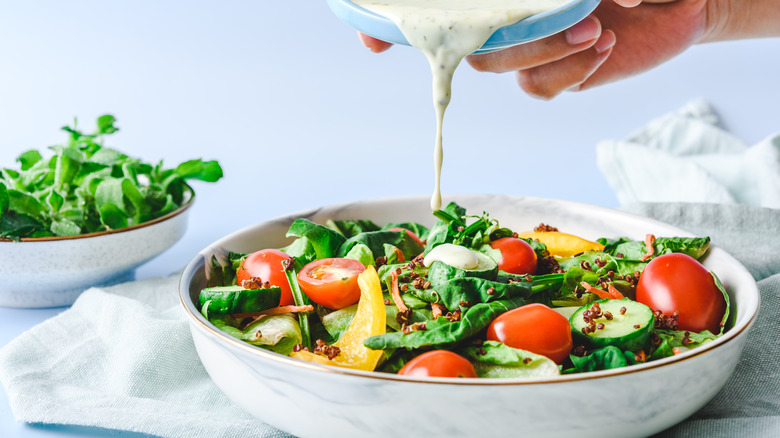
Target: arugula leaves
86	187
452	227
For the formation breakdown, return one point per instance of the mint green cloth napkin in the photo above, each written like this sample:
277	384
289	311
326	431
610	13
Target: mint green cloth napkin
749	404
685	170
122	358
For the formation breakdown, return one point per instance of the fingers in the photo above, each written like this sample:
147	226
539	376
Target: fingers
577	38
628	3
548	80
632	3
374	44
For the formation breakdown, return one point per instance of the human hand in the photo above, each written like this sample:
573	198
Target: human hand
620	38
587	54
374	44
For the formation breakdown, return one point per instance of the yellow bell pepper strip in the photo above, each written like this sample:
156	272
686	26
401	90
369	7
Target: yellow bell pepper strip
562	244
369	320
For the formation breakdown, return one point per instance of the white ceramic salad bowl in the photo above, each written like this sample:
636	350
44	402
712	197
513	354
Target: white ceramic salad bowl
306	399
53	271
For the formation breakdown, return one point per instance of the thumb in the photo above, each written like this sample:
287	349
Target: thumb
374	44
632	3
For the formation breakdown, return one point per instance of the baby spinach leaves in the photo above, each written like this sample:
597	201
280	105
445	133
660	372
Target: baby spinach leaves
628	249
443	332
224	300
497	360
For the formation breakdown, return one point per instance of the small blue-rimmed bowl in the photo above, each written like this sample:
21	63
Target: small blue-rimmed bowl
526	30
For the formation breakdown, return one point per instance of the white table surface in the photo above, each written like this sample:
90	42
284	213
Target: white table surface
300	114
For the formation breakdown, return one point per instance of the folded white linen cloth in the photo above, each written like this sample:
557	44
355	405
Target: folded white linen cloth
121	358
686	157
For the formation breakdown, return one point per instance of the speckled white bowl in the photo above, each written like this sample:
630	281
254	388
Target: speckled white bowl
53	271
313	400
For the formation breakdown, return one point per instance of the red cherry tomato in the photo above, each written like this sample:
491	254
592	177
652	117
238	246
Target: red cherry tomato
535	328
266	264
412	235
677	282
439	363
332	282
517	256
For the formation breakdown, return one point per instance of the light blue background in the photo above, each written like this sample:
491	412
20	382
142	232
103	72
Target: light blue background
300	114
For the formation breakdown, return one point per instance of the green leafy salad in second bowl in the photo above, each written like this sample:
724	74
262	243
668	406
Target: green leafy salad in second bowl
468	298
86	187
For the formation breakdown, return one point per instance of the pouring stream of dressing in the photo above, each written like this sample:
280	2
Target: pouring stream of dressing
446	31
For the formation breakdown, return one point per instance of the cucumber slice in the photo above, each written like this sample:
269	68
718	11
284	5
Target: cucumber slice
223	300
624	323
567	311
337	321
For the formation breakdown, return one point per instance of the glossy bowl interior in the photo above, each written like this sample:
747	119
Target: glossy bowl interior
53	271
300	397
529	29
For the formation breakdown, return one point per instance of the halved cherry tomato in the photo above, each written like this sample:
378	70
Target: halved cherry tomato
266	264
439	363
411	234
517	256
677	282
535	328
332	282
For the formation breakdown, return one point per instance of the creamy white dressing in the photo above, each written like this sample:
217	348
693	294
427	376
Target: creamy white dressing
446	31
453	255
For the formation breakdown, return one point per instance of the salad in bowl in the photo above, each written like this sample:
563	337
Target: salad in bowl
468	297
476	320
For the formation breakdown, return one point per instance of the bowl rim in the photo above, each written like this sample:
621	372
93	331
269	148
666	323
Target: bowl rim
525	30
197	320
186	205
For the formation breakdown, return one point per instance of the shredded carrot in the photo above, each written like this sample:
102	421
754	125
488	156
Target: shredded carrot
640	356
275	311
601	293
396	294
676	351
649	241
614	292
438	310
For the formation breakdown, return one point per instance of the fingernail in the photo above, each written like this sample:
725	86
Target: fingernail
585	30
606	42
